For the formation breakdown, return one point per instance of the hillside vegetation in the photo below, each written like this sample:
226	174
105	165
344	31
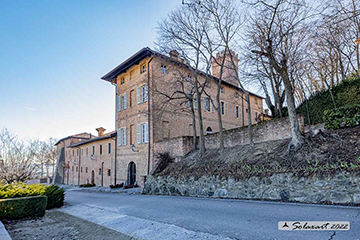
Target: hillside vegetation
345	93
324	154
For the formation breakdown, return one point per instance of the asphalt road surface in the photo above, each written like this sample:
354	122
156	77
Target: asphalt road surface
167	217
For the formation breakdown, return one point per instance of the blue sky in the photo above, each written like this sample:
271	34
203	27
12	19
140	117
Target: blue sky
53	54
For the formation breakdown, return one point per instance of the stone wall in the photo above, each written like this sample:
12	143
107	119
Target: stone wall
343	188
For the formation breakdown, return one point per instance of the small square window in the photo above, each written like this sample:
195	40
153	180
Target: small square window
99	171
163	69
143	68
222	90
109	172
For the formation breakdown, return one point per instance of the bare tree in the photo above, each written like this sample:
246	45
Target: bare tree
283	41
184	30
17	158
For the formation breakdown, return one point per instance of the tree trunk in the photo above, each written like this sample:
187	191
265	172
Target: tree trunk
221	132
193	125
201	128
251	138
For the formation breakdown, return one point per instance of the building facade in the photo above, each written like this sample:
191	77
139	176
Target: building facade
85	159
145	117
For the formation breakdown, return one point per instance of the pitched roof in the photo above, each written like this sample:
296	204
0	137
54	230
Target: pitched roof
77	136
105	136
147	52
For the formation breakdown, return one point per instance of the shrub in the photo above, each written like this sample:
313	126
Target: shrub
342	117
87	185
16	208
117	185
345	93
56	196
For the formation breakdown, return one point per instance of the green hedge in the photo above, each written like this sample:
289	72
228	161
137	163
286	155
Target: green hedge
16	190
56	196
17	208
345	93
342	117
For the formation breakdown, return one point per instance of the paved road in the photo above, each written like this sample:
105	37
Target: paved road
214	218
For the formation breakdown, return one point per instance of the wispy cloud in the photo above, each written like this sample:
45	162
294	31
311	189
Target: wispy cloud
31	109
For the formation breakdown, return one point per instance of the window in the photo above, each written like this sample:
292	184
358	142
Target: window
143	68
77	169
222	90
132	96
73	153
77	152
131	74
208	130
142	93
109	148
190	79
122	102
195	102
212	106
237	112
99	171
255	116
247	110
143	133
109	172
223	108
165	129
255	100
81	169
82	152
206	104
72	168
93	150
86	169
163	69
122	136
122	81
87	151
237	95
100	149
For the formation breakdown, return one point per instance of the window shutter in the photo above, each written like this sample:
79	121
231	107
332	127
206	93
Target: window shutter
146	92
138	134
146	132
119	137
138	95
119	103
124	142
125	101
226	109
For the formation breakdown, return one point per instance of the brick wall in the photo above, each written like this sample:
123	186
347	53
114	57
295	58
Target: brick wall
275	129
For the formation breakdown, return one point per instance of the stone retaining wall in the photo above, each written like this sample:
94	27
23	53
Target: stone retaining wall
343	188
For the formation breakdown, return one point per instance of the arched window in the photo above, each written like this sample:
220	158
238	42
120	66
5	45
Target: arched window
209	130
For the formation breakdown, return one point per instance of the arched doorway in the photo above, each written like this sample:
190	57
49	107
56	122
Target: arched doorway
92	177
132	173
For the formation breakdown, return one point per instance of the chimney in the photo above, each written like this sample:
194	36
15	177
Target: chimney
229	73
174	54
101	131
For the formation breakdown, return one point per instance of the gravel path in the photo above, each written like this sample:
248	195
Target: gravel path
58	225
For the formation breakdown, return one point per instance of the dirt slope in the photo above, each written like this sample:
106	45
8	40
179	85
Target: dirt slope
323	154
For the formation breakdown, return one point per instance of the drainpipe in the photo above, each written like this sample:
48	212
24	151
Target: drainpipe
114	84
79	165
149	151
102	174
